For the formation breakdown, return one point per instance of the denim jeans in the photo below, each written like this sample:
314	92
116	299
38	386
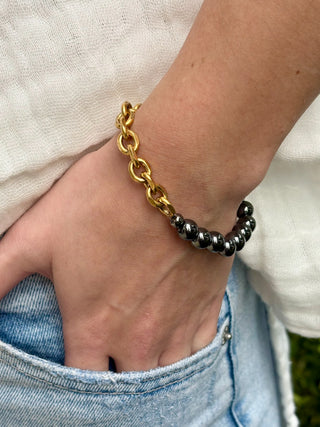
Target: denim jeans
231	382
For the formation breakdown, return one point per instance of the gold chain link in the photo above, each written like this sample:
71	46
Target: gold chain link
128	144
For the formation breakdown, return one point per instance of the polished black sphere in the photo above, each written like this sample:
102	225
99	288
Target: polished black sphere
230	248
243	229
203	239
249	221
238	239
245	209
189	231
177	221
217	244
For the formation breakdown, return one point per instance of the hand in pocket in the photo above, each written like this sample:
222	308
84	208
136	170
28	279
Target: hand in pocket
127	286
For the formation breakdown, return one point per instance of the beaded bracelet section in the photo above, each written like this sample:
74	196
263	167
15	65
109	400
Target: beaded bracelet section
214	241
140	171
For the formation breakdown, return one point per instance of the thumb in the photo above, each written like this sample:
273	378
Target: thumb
26	248
12	262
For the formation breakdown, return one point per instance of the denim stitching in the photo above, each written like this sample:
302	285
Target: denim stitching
232	362
232	373
55	386
119	381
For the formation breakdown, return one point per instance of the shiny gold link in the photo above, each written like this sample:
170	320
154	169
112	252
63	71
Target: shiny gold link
121	124
155	201
124	128
125	107
132	173
162	203
124	149
157	195
130	114
127	115
148	181
167	208
133	156
136	107
125	119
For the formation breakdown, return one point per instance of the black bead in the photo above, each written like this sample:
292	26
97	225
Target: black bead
230	247
238	239
218	242
177	221
189	230
245	209
249	221
203	240
244	230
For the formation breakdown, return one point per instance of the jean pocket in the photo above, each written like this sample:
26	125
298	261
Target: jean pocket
196	391
74	379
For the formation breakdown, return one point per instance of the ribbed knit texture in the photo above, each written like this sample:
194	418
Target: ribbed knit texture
65	68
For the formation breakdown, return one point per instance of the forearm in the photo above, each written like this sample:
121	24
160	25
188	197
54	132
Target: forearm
246	73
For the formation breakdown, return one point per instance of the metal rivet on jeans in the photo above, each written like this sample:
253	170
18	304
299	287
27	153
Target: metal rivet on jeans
226	335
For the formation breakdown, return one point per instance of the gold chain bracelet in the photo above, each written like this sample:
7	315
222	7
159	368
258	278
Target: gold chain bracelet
128	144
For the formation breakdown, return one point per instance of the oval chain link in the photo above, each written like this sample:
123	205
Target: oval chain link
142	163
135	138
166	208
149	181
157	195
154	201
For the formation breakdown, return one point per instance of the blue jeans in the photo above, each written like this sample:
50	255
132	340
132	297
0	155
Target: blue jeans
231	382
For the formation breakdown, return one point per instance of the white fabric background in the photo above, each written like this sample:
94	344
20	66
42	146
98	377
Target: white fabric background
65	68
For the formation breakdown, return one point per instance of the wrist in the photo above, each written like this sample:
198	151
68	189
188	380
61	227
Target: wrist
140	171
202	184
196	193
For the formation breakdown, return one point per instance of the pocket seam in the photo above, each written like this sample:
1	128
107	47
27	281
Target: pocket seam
207	357
75	390
21	358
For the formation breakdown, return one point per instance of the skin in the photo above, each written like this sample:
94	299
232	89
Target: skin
127	286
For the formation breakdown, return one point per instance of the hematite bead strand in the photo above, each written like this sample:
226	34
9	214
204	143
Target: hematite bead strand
214	241
187	229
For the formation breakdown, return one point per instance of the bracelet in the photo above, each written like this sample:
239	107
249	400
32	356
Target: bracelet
157	196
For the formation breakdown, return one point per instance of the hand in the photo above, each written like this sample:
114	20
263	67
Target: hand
127	286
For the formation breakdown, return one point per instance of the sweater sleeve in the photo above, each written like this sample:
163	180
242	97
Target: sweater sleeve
284	255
